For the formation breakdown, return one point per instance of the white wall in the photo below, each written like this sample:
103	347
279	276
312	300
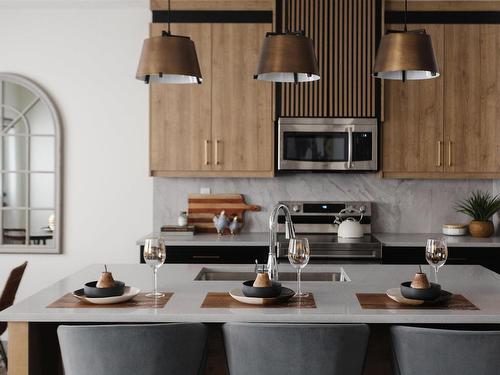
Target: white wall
85	53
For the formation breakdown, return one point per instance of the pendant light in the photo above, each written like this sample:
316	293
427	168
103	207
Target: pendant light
406	55
169	59
287	57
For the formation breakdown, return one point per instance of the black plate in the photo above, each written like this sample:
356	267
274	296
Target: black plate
92	291
428	294
270	292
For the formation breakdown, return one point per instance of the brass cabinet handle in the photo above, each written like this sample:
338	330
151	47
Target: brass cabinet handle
207	161
450	143
217	162
439	153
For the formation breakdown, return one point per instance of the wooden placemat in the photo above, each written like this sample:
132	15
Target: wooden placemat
224	300
140	301
381	301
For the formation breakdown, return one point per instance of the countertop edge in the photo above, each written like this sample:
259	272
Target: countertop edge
262	239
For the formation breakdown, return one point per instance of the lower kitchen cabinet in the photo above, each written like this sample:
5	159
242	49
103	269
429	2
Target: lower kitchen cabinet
486	257
214	254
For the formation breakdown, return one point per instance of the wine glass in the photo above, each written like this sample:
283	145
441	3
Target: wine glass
298	256
436	253
154	255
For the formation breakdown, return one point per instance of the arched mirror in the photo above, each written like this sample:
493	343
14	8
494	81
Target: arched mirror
30	151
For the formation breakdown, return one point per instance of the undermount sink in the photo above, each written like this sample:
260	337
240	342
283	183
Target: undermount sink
213	274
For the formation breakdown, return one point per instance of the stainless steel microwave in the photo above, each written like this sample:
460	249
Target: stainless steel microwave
328	144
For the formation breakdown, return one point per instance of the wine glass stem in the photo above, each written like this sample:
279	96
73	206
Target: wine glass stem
299	291
155	280
436	274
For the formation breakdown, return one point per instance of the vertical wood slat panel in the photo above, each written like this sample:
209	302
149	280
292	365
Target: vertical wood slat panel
343	32
336	59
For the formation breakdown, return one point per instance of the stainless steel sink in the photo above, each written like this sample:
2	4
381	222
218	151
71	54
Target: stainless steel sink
209	274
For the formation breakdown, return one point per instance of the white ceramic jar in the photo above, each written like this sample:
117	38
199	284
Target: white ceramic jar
182	219
455	229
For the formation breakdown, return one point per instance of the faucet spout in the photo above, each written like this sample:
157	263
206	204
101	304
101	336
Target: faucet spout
272	262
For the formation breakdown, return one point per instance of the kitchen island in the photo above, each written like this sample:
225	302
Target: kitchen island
31	322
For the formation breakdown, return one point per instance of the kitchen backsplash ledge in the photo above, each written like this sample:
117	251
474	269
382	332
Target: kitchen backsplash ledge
399	206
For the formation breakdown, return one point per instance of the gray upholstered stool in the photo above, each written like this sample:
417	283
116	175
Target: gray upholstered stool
437	351
133	349
289	349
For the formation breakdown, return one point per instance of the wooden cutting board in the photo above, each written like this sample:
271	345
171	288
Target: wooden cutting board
203	207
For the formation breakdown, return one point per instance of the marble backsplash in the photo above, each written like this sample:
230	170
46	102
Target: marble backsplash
399	206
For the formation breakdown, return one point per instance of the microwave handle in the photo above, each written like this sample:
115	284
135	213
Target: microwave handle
349	147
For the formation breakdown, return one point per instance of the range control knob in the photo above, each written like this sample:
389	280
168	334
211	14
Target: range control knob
362	209
296	208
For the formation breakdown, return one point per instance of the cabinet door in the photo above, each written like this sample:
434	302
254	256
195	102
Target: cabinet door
412	132
472	103
241	106
180	130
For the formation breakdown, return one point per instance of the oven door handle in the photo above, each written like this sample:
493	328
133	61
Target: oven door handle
349	148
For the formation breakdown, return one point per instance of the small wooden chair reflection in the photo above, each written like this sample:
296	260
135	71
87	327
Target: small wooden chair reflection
7	299
14	236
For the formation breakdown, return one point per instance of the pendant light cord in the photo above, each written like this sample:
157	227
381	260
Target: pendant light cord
169	16
286	16
405	15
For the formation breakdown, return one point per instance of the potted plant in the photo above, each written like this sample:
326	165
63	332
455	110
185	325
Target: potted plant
480	206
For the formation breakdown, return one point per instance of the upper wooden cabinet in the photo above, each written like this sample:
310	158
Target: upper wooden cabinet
180	115
472	106
412	131
447	127
224	126
233	5
241	106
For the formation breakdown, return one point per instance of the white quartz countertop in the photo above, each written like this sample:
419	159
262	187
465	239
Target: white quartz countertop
336	301
262	239
419	239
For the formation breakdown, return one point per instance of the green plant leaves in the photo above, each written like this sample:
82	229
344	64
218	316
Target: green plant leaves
481	205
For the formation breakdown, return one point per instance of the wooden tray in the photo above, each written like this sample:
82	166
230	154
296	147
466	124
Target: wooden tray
140	301
381	301
203	207
225	301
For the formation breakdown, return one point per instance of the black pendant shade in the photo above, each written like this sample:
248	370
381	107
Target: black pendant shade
287	57
406	55
169	59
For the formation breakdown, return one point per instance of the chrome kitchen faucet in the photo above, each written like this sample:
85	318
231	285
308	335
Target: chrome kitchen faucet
272	261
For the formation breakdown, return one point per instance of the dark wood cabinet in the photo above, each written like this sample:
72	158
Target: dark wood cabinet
486	257
214	254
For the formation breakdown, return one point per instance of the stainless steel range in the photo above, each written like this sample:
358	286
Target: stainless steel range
316	221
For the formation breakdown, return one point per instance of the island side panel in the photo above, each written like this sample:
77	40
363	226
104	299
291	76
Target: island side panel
18	348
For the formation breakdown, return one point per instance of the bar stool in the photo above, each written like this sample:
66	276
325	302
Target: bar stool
295	349
153	349
439	351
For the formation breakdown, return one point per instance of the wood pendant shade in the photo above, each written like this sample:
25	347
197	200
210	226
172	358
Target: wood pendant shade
169	59
406	55
287	57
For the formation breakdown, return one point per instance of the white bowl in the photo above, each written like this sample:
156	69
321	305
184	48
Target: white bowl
455	229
